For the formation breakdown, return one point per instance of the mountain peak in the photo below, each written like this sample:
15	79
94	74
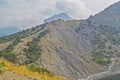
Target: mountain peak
109	16
62	16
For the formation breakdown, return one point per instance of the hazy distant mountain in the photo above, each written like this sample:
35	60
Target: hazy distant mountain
8	30
62	16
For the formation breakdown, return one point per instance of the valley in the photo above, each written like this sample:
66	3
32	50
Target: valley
109	73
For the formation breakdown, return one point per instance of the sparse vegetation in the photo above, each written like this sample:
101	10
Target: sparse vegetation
99	41
19	35
100	57
111	33
2	70
34	51
11	56
34	68
8	53
114	77
12	37
28	71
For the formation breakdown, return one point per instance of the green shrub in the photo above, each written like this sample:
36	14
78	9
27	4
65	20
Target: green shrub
34	51
11	56
2	70
100	57
114	77
34	68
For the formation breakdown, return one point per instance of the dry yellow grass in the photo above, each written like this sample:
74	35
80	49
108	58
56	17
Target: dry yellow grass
22	70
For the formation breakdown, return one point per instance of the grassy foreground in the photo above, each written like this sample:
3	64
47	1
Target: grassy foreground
23	70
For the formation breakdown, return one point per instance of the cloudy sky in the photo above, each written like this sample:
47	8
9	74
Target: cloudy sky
28	13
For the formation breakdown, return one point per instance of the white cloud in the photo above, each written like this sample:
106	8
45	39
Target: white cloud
28	13
98	5
76	8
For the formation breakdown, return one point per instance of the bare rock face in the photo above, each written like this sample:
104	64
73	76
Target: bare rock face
66	52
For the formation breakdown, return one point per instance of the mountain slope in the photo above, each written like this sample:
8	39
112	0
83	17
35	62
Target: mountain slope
110	16
62	16
62	50
65	53
73	49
